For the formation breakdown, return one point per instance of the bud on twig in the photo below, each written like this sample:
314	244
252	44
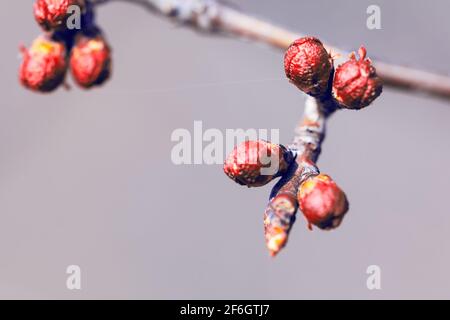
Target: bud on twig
322	202
356	83
278	220
44	65
246	163
53	14
90	60
309	66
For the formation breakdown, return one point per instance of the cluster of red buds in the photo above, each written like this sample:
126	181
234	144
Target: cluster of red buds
354	85
84	49
320	199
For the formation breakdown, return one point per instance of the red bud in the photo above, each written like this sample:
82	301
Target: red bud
53	14
322	202
245	164
44	65
90	61
356	84
309	66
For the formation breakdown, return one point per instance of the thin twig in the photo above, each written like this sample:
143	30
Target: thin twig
212	17
309	134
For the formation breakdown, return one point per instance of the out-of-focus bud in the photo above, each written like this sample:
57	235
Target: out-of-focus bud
53	14
90	60
44	65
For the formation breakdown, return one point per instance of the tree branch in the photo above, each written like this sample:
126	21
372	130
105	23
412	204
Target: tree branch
309	134
212	17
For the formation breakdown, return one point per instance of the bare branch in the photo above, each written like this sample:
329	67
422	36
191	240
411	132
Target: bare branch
213	17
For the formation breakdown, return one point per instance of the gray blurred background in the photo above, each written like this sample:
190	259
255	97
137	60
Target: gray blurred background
86	177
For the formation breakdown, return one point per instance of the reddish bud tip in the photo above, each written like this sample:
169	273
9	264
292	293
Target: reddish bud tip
256	163
322	202
90	61
356	83
278	220
44	65
309	66
53	14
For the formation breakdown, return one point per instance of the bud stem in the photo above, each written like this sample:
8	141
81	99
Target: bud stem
309	134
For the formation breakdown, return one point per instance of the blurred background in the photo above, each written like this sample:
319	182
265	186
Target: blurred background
86	177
